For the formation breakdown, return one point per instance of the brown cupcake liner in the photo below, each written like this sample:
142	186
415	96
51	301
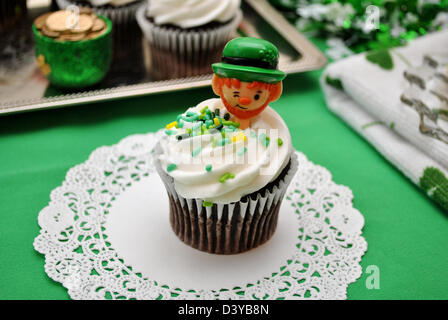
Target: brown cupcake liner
177	53
228	228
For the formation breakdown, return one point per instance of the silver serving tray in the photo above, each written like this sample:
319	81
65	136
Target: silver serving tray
27	90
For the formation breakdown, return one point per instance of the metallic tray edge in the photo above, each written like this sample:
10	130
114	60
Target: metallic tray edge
311	59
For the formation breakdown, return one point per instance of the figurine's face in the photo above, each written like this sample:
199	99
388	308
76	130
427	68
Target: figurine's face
245	99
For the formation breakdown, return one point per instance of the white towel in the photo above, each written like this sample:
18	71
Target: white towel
385	96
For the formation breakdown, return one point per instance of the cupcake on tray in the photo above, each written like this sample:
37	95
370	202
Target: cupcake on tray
120	12
186	37
73	51
226	163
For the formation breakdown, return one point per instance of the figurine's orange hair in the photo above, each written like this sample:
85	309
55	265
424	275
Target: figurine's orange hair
236	83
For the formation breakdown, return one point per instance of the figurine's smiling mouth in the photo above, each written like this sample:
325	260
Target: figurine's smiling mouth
238	106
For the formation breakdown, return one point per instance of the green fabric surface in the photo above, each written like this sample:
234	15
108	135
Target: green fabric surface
405	231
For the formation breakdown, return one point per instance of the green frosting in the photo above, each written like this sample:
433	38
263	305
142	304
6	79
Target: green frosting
250	49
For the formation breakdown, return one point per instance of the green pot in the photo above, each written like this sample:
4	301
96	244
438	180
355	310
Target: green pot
74	64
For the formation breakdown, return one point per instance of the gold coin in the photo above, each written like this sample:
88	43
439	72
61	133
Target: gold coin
93	35
85	10
98	25
60	20
84	24
72	37
49	33
40	21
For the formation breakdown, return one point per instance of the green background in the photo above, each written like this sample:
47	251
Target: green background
406	233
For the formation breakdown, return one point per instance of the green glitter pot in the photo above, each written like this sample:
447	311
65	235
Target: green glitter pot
74	64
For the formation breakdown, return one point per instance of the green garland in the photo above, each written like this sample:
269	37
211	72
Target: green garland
400	20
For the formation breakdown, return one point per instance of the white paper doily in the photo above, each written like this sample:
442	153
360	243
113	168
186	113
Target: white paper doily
106	235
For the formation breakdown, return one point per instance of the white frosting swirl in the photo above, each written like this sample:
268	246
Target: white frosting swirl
192	13
115	3
252	170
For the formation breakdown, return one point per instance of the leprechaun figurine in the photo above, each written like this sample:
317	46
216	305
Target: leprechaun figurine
247	78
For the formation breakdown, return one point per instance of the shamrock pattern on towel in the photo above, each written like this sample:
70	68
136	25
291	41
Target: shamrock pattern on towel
435	183
382	58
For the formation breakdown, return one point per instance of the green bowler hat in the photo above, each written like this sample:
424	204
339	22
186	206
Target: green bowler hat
249	59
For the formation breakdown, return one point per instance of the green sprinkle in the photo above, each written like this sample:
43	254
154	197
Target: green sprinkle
170	132
207	204
209	115
264	139
208	123
188	131
242	151
230	123
171	167
267	141
191	113
226	176
279	142
196	151
203	110
223	142
217	111
190	118
180	123
208	168
223	134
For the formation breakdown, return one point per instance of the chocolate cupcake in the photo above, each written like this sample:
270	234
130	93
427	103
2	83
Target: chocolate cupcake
186	37
225	185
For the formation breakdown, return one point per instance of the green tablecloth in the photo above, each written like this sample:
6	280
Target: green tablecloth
405	231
